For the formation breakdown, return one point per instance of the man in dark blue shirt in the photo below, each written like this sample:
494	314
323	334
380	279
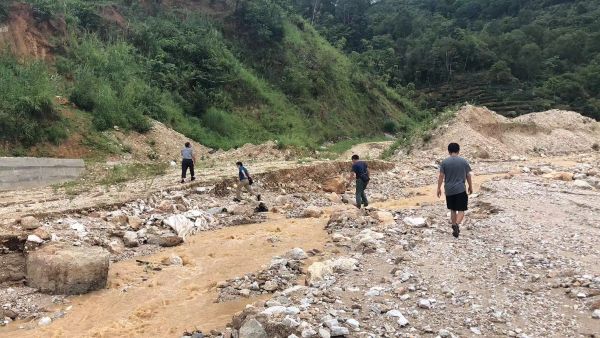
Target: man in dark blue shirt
361	172
245	181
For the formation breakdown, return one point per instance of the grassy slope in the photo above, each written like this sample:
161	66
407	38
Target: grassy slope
300	91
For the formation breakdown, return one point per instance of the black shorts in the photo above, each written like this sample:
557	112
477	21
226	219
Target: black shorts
458	202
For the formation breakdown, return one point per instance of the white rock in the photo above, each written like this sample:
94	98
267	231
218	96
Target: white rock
175	260
339	331
344	264
80	228
368	237
445	333
582	184
130	239
34	239
307	333
324	333
417	222
424	304
180	224
596	314
274	310
402	321
297	254
475	330
353	323
45	321
394	314
330	323
290	322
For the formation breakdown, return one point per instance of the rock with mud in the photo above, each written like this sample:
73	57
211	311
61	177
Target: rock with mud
60	269
336	185
12	267
312	211
30	223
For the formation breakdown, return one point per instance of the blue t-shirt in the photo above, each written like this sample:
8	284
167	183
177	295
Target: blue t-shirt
243	173
360	169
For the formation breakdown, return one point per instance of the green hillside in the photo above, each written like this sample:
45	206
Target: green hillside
514	56
222	73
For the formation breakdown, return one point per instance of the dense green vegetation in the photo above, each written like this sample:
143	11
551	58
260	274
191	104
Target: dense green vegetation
253	73
513	55
27	113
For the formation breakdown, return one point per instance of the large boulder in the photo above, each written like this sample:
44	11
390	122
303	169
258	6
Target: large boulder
252	328
12	267
30	223
61	269
336	184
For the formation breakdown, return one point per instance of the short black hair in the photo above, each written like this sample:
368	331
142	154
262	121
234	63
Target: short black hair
187	144
453	148
355	157
238	163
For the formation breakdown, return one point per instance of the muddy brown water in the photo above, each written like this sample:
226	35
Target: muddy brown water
168	302
144	303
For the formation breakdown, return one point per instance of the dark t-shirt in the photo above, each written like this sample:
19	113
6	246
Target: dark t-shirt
361	170
455	170
243	173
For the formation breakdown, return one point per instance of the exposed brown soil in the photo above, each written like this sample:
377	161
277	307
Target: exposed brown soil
28	37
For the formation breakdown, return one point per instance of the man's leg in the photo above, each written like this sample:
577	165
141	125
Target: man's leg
359	193
460	215
455	229
239	190
192	171
249	189
184	166
364	195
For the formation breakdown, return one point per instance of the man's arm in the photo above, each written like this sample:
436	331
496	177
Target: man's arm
350	177
439	185
470	182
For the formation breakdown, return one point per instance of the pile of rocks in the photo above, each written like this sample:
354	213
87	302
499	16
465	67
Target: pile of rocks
282	273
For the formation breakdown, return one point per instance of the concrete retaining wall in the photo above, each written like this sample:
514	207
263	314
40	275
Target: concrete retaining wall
30	172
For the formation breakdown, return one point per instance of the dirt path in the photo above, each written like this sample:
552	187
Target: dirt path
14	204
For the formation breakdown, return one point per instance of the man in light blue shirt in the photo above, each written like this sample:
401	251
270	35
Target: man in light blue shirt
188	159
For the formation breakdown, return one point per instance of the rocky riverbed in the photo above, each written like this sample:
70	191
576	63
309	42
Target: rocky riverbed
525	265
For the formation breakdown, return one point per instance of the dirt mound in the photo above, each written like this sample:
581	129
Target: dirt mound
265	152
371	150
305	178
29	36
160	143
484	134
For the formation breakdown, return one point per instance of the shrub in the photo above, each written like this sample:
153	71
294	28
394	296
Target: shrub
391	127
27	113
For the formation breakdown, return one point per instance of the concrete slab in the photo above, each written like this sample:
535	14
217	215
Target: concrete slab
30	172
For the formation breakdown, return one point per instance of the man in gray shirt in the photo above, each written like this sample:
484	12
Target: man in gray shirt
454	171
188	159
